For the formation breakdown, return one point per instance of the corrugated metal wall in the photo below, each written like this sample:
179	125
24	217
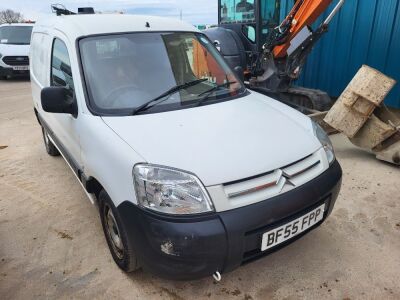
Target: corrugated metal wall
364	32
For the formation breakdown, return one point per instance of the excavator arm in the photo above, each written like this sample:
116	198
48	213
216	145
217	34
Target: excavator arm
303	14
285	52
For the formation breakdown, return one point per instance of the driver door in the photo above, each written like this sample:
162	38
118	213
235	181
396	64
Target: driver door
64	127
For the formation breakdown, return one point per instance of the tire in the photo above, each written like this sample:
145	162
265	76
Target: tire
116	235
50	148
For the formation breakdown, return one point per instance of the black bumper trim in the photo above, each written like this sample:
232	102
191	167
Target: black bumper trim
195	247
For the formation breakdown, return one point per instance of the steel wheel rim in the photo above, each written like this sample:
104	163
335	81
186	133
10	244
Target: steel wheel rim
113	232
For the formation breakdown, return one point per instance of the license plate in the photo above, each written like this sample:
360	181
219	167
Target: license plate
289	230
21	68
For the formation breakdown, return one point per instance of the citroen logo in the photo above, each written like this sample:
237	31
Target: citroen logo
282	175
287	177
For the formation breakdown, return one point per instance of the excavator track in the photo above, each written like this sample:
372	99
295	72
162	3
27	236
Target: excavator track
313	99
303	99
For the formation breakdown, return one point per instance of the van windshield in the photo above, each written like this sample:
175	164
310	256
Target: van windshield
124	71
15	35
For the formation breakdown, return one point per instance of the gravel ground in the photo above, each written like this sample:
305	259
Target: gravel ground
52	245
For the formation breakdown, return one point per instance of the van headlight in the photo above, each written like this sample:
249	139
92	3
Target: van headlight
170	191
325	141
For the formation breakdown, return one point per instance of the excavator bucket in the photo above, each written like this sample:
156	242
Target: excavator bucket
360	115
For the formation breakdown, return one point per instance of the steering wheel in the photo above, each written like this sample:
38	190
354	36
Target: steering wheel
113	96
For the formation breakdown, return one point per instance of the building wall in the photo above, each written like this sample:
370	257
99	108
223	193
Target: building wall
364	32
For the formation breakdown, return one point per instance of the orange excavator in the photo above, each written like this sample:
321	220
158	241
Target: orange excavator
269	54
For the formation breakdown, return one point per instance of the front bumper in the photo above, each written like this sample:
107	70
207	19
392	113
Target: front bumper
9	71
197	246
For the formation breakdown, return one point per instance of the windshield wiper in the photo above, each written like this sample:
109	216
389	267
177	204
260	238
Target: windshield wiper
146	105
208	93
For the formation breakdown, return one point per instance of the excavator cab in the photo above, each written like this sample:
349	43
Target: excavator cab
252	20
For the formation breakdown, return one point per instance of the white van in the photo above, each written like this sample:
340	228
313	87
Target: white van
193	173
14	49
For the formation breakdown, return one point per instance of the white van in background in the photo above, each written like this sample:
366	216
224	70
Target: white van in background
15	41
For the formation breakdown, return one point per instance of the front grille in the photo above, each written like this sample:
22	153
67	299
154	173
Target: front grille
16	60
273	183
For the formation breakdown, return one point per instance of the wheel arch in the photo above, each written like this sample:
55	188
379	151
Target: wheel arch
92	185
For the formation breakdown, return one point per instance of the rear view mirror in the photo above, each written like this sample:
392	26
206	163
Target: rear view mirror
57	99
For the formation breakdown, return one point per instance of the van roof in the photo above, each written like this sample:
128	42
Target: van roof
75	26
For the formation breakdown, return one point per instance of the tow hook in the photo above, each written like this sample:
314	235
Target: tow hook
217	276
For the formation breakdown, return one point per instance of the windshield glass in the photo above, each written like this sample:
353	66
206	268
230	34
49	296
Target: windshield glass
233	11
15	35
125	71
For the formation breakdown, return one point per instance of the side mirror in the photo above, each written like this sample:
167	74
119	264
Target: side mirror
57	99
239	72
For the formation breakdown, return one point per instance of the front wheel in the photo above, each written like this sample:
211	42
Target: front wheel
116	235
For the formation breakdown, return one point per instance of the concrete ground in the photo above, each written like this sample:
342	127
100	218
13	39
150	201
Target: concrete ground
52	244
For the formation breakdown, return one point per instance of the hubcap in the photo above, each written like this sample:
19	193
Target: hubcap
113	233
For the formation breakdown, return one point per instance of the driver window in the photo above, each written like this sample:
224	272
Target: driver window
61	74
237	11
270	12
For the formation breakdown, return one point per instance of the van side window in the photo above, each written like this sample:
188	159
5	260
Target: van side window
61	74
